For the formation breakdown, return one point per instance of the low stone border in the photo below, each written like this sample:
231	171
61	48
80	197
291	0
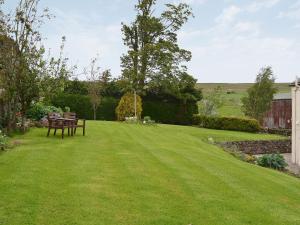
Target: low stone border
259	147
284	132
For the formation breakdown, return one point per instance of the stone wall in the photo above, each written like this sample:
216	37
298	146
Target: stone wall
259	147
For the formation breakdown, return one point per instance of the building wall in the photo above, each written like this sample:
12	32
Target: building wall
280	115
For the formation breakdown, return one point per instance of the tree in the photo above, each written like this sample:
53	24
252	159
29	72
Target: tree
55	74
260	95
21	61
93	75
210	104
153	52
127	108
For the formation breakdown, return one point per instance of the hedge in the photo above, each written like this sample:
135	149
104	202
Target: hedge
82	106
227	123
160	110
170	112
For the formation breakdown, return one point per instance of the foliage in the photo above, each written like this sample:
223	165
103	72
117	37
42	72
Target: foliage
260	95
81	104
274	161
148	121
55	74
3	141
126	107
169	111
93	76
154	59
21	57
132	120
39	110
227	123
76	87
210	104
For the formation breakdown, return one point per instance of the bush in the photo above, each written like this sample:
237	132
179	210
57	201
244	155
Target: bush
274	161
227	123
39	111
148	121
126	107
170	111
3	141
81	105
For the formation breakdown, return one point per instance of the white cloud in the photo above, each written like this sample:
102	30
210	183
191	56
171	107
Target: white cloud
228	15
86	38
261	4
234	50
191	2
293	12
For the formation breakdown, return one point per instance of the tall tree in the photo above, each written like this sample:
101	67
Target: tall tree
260	95
153	52
93	75
22	62
55	74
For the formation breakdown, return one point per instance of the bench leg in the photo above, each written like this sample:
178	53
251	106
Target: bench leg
48	132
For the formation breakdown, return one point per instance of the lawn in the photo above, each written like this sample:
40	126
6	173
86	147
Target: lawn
232	102
122	174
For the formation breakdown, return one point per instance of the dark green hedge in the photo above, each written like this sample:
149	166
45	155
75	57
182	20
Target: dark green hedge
82	106
162	111
170	112
227	123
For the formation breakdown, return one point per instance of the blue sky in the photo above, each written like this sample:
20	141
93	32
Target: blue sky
230	39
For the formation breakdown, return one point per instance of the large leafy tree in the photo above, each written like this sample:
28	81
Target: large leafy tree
260	95
154	58
21	56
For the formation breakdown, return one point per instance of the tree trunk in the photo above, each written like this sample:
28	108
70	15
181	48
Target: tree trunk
95	112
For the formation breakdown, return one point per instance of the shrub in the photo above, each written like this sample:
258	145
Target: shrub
126	107
82	106
39	110
170	111
132	120
227	123
148	121
274	161
3	141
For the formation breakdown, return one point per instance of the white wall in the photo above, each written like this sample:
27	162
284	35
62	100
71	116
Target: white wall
296	125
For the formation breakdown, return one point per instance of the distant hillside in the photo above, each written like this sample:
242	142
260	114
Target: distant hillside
239	87
233	93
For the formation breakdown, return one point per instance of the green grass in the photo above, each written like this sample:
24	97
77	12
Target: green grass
121	174
232	102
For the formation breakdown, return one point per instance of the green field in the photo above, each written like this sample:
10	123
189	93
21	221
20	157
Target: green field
141	175
232	102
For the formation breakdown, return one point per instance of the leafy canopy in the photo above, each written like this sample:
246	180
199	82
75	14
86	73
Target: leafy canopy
260	95
154	60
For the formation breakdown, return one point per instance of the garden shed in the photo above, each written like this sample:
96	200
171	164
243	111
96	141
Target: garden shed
280	114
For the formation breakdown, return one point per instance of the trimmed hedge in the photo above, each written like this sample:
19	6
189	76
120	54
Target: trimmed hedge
227	123
170	112
161	110
82	106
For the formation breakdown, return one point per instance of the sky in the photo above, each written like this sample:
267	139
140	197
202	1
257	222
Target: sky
231	40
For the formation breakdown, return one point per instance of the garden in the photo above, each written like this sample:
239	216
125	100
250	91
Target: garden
152	149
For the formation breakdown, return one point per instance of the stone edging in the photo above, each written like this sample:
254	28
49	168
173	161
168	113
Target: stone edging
259	147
